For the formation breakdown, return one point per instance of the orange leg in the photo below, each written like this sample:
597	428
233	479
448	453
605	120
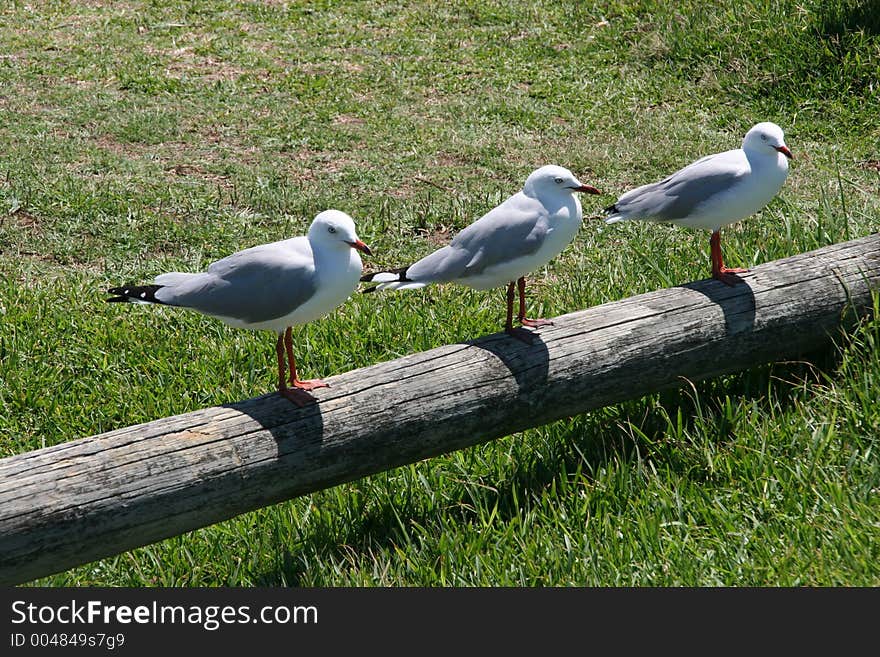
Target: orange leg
533	323
517	332
297	394
309	384
719	272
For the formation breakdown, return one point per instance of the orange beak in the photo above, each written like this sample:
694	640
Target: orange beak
784	150
360	246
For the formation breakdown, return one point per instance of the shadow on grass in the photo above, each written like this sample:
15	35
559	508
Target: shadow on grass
585	448
836	19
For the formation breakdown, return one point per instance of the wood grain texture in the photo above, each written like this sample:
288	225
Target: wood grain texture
90	498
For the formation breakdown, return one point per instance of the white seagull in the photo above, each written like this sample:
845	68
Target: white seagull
270	287
523	233
715	191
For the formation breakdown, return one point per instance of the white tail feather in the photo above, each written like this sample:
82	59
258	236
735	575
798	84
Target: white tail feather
398	285
385	277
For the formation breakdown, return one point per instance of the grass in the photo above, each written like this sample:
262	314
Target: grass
139	137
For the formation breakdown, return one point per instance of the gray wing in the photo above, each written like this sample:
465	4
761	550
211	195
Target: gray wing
514	229
677	196
255	285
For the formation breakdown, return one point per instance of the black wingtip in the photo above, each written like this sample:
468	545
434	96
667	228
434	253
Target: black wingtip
120	292
400	272
134	293
611	208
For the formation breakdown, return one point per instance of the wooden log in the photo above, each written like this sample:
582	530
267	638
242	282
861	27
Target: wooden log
90	498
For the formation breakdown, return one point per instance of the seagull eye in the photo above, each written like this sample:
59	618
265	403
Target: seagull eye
763	137
331	229
558	181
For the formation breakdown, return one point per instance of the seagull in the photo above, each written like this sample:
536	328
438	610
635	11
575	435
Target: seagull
523	233
715	191
270	287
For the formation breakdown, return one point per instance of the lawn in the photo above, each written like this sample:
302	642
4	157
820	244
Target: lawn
143	137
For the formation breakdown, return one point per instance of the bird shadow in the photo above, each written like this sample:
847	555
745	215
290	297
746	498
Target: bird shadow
295	428
737	302
625	436
527	359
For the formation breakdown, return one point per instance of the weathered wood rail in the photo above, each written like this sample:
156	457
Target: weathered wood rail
90	498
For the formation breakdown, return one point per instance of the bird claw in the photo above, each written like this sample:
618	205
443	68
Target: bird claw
309	384
535	323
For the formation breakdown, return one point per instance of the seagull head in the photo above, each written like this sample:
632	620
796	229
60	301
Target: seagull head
335	228
766	138
552	179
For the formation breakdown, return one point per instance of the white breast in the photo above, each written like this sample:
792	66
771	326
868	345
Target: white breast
338	273
753	192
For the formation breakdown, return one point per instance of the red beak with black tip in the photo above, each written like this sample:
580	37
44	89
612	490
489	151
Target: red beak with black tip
360	246
784	150
587	189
